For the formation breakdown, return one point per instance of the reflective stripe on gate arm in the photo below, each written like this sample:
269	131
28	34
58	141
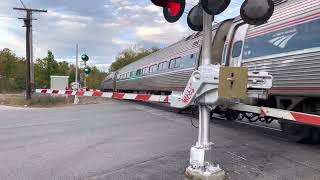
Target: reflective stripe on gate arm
130	96
279	114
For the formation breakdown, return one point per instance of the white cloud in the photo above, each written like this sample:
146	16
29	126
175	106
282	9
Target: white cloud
101	30
161	33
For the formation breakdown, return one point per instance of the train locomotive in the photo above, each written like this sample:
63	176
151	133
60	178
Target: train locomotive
287	46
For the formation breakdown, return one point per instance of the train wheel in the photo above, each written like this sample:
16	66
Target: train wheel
296	132
231	115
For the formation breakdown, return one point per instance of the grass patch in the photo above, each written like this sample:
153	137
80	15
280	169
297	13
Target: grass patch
36	101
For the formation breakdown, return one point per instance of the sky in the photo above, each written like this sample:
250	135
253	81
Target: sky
102	28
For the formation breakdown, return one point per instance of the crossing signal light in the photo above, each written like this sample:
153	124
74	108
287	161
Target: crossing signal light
85	57
172	9
87	70
215	7
195	18
257	12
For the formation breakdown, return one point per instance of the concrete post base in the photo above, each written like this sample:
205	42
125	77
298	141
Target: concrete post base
198	175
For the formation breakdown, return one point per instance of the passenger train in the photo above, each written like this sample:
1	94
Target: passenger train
287	46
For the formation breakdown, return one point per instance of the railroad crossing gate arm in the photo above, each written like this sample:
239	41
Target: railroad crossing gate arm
296	117
211	83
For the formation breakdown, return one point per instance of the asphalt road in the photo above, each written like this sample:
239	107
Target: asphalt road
121	140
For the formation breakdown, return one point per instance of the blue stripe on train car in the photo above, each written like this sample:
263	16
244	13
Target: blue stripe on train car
299	37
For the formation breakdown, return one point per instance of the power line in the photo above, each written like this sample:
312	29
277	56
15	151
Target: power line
23	4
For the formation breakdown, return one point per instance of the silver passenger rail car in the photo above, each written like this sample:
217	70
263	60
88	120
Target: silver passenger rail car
288	47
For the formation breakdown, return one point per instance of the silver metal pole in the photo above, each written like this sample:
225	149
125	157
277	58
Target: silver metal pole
207	39
76	99
200	156
204	118
77	53
204	112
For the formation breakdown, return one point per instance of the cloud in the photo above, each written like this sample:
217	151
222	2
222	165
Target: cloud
101	28
161	33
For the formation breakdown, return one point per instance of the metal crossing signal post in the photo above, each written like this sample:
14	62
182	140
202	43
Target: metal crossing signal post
202	88
204	112
28	25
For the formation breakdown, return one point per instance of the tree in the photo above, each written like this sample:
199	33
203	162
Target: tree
130	55
95	78
12	71
45	68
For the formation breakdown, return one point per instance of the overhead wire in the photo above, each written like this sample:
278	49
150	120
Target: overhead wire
23	4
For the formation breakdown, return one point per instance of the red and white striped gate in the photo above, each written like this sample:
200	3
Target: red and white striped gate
297	117
115	95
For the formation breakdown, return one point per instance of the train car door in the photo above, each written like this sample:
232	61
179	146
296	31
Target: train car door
219	39
237	43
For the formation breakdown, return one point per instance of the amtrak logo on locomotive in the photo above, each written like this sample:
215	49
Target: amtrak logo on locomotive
295	38
281	40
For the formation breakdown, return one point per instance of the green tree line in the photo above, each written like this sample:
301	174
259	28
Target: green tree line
13	69
13	72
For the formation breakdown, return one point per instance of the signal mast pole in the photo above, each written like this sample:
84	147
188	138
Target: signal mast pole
77	54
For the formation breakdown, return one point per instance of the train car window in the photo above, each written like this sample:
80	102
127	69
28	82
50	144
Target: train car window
132	74
172	63
160	66
144	70
237	47
155	68
165	65
178	62
191	56
138	73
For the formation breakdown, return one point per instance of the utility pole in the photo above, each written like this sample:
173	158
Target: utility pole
31	58
29	47
77	54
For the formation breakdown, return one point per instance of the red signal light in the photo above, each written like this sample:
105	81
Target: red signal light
172	9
